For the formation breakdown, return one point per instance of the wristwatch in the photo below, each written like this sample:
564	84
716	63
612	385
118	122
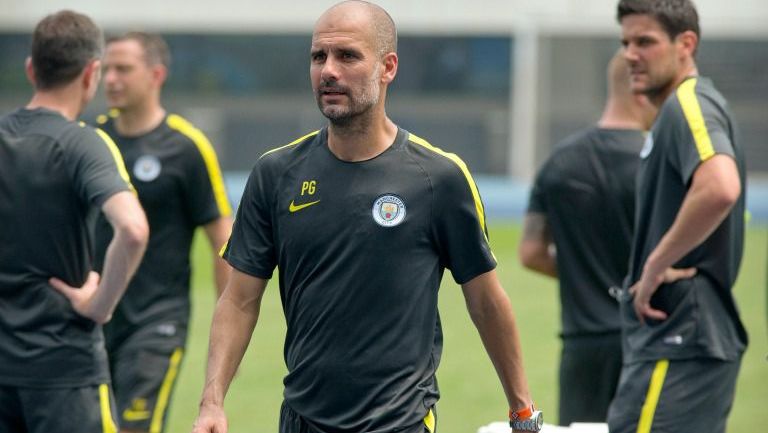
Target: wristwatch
527	419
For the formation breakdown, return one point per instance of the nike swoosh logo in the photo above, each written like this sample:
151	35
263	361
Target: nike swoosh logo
135	415
295	208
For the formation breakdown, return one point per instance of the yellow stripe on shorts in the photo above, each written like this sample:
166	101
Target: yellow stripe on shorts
652	398
107	423
429	421
165	391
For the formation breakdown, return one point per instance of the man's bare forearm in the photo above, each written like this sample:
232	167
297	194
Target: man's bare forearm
235	317
491	312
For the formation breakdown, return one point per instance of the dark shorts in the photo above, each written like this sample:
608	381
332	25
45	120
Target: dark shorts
680	396
589	373
291	422
89	409
144	368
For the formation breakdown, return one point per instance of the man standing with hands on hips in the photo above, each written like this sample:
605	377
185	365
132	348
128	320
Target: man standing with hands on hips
683	338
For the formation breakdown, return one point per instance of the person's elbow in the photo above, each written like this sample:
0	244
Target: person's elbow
531	254
726	195
525	254
134	231
719	181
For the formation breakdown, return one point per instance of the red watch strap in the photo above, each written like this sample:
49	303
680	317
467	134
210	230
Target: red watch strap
521	414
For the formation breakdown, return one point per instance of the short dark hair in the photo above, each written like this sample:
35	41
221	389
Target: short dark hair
675	16
62	45
155	48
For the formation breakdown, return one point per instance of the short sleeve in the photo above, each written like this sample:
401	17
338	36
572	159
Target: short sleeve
204	191
251	246
95	164
702	131
459	225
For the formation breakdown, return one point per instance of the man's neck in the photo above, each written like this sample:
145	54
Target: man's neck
689	71
138	121
362	140
66	101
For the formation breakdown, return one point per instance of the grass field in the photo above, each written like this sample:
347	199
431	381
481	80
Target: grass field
471	394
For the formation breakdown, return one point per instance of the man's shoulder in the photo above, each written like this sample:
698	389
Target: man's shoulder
695	94
287	152
571	150
432	158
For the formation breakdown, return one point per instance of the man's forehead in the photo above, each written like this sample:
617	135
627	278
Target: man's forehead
341	37
640	22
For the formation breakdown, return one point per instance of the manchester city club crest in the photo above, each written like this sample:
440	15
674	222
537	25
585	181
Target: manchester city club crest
388	210
147	168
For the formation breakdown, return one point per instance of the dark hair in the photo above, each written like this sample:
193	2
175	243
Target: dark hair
155	48
62	45
675	16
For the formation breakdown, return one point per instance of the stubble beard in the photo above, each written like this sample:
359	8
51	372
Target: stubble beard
359	107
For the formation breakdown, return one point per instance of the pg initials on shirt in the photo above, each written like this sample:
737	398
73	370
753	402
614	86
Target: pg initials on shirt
308	186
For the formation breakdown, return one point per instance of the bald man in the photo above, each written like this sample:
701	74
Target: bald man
361	218
582	206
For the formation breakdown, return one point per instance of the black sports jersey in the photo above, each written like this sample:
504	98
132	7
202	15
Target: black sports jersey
586	190
361	248
693	125
176	174
54	175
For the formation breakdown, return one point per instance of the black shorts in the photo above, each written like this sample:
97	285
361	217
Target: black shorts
291	422
144	368
589	373
681	396
89	409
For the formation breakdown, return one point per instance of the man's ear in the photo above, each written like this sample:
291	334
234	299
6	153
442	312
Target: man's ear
30	71
159	74
92	74
390	68
688	42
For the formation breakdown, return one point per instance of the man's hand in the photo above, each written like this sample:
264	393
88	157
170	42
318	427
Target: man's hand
80	298
649	282
211	419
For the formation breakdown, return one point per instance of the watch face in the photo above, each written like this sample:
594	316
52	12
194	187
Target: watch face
539	421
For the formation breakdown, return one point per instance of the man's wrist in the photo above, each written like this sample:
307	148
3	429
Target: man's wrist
521	414
526	419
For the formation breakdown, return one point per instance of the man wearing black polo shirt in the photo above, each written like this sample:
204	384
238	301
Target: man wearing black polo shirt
683	338
55	174
583	203
361	219
177	177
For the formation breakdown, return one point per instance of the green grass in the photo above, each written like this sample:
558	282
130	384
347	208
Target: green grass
471	394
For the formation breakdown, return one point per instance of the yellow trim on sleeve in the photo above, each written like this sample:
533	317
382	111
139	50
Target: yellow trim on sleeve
205	148
117	156
652	397
429	421
686	94
107	423
453	157
294	142
165	391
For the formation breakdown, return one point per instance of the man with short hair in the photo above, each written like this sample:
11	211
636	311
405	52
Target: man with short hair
361	218
178	180
582	204
683	338
55	174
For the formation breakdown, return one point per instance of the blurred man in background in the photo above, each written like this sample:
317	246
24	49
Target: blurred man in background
177	176
361	218
55	174
582	206
683	338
